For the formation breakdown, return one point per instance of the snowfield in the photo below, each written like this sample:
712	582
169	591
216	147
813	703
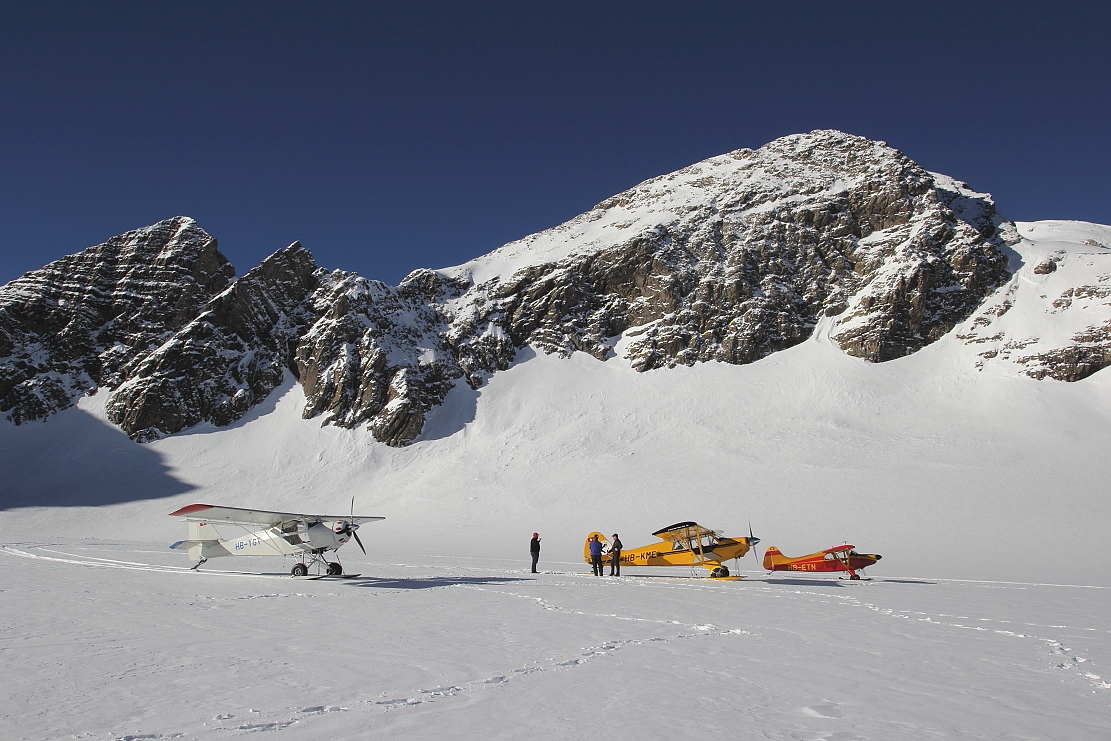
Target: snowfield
115	640
985	490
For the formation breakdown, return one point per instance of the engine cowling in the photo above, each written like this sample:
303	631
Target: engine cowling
329	536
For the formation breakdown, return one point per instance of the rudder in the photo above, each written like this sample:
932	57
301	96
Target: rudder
772	556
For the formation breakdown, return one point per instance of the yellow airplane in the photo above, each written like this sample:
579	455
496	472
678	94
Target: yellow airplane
684	544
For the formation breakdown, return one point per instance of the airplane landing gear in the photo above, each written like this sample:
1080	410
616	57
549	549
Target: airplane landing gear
316	558
197	565
719	572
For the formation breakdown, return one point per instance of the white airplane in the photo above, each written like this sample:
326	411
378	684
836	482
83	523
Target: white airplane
269	534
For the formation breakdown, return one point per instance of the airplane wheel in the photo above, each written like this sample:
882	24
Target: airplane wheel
299	570
720	571
334	569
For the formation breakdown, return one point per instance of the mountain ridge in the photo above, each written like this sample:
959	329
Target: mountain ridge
730	259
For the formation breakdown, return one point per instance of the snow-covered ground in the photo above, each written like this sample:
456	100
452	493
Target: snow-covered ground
986	491
112	640
946	470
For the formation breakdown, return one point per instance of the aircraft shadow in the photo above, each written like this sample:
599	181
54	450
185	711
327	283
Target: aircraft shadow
431	582
73	459
803	582
907	581
834	583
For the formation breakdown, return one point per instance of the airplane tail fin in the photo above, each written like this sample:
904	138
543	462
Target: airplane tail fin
203	542
773	556
202	531
586	544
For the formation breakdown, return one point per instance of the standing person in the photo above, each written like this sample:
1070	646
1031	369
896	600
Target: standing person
534	549
596	555
615	556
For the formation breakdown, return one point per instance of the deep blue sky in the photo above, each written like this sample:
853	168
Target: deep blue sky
395	135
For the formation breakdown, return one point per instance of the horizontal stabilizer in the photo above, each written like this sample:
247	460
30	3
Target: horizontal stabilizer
183	545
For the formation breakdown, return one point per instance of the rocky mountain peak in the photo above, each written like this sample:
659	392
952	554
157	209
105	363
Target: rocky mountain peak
78	323
729	259
740	255
229	358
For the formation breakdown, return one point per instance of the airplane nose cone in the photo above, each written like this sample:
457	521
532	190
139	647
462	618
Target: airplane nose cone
753	541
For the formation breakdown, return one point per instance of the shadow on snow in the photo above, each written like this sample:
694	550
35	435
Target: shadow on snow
431	582
72	459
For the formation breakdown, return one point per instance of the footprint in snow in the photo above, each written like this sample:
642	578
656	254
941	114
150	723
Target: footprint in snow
1097	681
442	691
275	726
824	710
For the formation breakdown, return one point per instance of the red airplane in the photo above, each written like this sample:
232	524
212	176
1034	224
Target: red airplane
838	558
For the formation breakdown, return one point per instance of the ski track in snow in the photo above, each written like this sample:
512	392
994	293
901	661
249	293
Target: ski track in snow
1058	654
1053	647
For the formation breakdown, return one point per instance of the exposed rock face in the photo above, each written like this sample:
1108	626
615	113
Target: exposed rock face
376	355
81	321
730	259
1092	352
740	256
1053	318
227	359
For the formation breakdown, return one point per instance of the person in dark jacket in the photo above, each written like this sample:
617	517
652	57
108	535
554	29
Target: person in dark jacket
534	549
615	556
596	555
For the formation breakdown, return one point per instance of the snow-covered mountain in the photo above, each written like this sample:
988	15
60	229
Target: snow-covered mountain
817	335
730	259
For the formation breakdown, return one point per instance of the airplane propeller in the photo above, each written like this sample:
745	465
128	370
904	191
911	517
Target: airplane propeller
752	541
346	527
353	528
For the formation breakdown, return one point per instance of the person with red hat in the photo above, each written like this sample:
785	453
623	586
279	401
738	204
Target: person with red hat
534	549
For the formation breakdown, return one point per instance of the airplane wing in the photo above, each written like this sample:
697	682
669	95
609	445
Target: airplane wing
683	531
211	513
839	549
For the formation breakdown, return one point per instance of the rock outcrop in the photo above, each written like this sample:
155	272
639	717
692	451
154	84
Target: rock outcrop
1053	318
228	358
741	255
83	321
730	259
376	355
